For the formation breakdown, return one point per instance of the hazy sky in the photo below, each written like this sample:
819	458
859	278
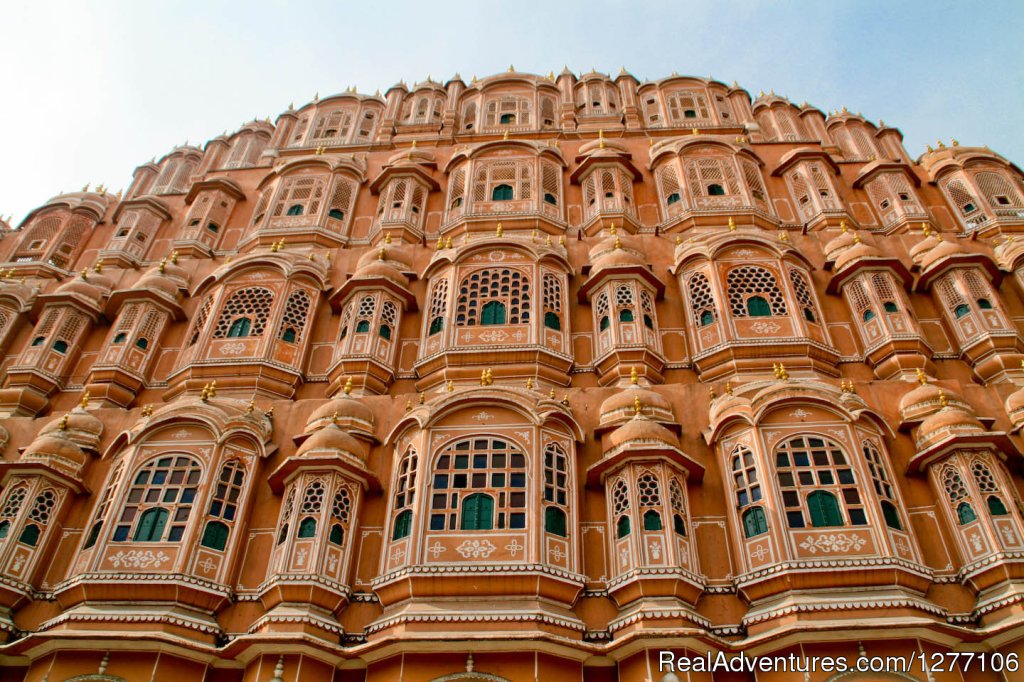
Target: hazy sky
92	89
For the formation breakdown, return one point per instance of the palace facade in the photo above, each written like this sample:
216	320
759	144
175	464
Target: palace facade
517	378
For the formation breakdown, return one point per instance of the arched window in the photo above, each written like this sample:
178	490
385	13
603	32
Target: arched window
508	288
702	302
648	497
965	513
754	522
803	294
38	517
869	315
101	509
673	198
296	209
309	510
625	315
224	505
811	462
716	190
996	506
492	469
605	323
620	508
60	345
675	492
961	310
120	338
405	494
652	520
502	193
362	326
552	300
438	306
200	320
341	512
293	321
989	487
883	489
286	515
744	475
551	321
159	500
252	305
436	325
754	282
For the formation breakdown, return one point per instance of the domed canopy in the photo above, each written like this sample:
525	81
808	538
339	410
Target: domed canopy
837	245
89	288
330	441
1015	407
79	426
940	251
57	452
621	406
380	269
347	412
167	278
949	421
855	253
925	400
927	244
640	429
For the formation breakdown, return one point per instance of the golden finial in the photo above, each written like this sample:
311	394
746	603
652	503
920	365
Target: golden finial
448	243
348	386
511	69
84	402
856	238
490	377
613	230
408	405
732	224
251	407
637	405
213	388
942	398
413	145
505	136
547	241
929	147
147	410
269	414
63	425
423	397
565	399
84	274
533	236
483	378
775	369
273	247
783	236
387	237
97	267
551	393
728	387
842	226
940	144
451	386
561	240
280	245
695	131
679	239
600	137
162	266
381	254
551	75
529	382
311	256
174	257
926	229
634	376
956	142
204	395
783	374
440	243
922	378
498	231
650	141
86	188
618	243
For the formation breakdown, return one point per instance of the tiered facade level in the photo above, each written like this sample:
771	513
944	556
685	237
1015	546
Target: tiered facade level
521	378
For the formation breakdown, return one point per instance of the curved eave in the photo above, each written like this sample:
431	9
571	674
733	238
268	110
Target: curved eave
875	168
889	263
940	267
626	452
145	203
226	185
92	308
640	271
415	170
997	441
590	161
289	266
10	468
794	157
121	296
348	464
338	296
535	253
534	149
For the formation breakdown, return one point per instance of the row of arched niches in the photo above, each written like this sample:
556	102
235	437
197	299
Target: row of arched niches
546	340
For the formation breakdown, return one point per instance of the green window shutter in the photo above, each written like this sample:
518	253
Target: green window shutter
706	317
551	321
678	525
215	536
403	525
493	313
824	509
554	521
965	513
30	535
625	315
478	512
754	522
307	528
652	520
151	525
337	534
892	517
996	506
622	527
605	323
757	306
362	326
239	328
436	325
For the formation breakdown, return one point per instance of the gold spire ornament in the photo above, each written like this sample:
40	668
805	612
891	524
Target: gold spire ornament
451	386
922	378
348	386
634	376
529	382
637	405
732	224
498	231
84	402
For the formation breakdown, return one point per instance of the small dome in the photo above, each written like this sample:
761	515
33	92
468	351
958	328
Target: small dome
382	269
918	250
643	430
855	253
169	282
56	451
330	441
1015	407
351	413
621	405
79	425
934	255
949	421
927	399
93	287
617	258
837	245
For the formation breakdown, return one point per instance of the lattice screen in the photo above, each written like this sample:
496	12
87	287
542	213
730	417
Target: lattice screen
510	287
252	303
749	280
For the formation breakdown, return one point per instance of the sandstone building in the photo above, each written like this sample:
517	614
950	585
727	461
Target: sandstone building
523	377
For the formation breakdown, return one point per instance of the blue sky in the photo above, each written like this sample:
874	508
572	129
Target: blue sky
92	90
